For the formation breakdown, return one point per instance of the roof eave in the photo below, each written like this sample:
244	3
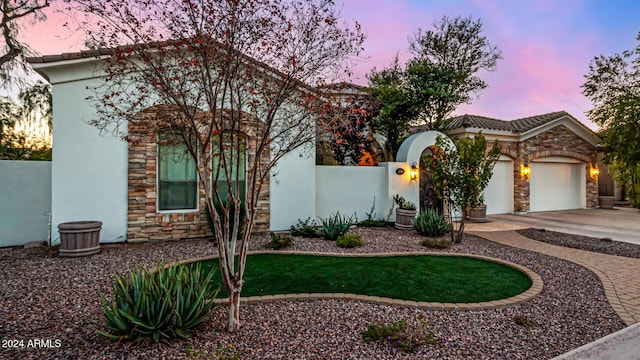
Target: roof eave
569	121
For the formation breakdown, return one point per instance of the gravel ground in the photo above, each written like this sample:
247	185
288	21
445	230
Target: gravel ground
47	297
605	246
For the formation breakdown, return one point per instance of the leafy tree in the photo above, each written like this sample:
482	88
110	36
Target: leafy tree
349	139
613	86
444	70
12	51
461	173
32	109
442	74
398	108
205	63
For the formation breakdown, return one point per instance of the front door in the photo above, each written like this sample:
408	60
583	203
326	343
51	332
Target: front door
428	196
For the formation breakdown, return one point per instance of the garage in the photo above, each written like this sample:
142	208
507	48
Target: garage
499	193
557	183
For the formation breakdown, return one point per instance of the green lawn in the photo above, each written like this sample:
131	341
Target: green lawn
415	277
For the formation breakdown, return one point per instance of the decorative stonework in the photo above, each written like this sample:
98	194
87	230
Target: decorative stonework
144	221
558	141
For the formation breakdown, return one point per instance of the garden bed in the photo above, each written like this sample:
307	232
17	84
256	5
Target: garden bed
47	297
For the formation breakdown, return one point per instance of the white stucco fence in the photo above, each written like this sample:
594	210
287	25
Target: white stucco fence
25	201
352	189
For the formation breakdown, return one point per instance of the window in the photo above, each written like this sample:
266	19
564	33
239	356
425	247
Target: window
177	181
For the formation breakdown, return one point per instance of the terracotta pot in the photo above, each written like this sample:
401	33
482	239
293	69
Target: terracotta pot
478	214
79	238
404	219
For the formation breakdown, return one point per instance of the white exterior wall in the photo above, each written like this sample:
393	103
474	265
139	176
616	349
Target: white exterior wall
351	189
25	201
89	171
292	190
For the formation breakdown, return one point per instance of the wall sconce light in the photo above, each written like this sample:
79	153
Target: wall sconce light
594	171
399	171
414	171
525	170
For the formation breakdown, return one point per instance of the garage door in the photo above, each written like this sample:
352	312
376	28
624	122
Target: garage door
557	184
499	193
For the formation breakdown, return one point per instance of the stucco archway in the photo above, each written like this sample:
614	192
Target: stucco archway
411	151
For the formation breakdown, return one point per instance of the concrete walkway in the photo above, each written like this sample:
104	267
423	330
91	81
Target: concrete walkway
621	224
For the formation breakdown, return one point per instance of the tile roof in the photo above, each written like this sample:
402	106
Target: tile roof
69	56
517	125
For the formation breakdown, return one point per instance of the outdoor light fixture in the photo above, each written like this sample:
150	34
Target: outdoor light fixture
525	170
414	171
594	171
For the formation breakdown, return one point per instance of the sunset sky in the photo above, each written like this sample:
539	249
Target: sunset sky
546	45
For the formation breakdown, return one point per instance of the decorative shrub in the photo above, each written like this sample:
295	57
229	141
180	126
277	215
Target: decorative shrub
431	223
335	225
279	241
403	204
524	321
375	223
157	304
436	243
307	228
400	334
350	241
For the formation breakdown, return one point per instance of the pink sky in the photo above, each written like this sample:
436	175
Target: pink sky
546	45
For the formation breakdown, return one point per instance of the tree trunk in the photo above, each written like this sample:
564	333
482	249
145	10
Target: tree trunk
234	310
461	227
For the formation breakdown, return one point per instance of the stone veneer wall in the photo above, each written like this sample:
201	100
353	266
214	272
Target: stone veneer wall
144	221
559	141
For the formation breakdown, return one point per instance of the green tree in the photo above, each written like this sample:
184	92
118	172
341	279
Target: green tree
444	70
613	86
461	173
397	110
33	109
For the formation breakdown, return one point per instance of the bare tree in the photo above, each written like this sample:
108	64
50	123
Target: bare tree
12	51
228	79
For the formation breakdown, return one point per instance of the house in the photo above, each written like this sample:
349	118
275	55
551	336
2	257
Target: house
547	162
101	177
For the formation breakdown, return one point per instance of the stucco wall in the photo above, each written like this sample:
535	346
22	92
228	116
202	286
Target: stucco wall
292	189
25	201
88	171
351	189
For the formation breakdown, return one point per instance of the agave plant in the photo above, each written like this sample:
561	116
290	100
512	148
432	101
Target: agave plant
157	304
431	223
335	225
